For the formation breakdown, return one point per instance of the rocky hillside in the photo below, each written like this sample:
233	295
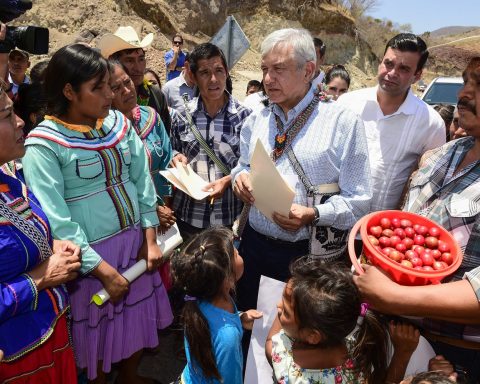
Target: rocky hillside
198	20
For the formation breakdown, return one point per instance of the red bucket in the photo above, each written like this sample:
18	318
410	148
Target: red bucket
399	273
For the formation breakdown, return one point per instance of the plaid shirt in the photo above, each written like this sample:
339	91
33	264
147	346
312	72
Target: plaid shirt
452	201
222	134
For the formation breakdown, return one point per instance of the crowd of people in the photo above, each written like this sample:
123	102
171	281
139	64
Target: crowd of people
83	138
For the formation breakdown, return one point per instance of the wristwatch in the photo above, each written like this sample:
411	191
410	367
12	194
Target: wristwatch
317	216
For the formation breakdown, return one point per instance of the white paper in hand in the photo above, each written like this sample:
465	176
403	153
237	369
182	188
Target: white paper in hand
185	179
258	371
271	191
169	240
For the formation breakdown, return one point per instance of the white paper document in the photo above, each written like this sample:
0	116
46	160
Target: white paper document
271	191
169	240
269	294
185	179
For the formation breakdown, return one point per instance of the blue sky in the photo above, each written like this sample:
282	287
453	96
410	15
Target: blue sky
428	15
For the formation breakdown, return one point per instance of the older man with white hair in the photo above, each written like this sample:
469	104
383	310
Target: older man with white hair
313	142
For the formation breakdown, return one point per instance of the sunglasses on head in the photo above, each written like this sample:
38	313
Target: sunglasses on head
178	42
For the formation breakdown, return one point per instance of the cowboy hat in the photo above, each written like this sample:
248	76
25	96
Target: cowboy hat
123	38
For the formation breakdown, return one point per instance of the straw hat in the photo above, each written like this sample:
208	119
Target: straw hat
123	38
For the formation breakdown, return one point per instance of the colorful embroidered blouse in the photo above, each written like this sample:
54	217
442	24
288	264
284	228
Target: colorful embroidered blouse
27	316
150	128
92	185
286	371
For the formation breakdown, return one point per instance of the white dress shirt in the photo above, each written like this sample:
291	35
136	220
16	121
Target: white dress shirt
331	148
395	142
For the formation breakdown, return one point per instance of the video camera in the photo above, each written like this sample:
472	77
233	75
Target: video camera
31	38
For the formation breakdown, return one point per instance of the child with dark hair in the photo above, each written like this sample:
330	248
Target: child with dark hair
435	377
207	270
325	334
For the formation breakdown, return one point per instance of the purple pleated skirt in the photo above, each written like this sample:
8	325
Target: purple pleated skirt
113	332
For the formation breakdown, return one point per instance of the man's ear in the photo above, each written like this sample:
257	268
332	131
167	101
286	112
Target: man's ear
309	71
68	92
418	75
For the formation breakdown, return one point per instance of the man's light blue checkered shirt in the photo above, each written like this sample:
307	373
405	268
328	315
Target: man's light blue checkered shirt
331	148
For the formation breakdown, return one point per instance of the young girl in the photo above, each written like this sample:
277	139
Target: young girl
90	172
323	333
207	270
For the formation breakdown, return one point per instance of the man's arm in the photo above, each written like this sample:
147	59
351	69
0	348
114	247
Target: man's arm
171	58
455	302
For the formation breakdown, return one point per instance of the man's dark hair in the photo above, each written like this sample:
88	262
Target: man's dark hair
408	42
37	73
177	35
320	45
254	83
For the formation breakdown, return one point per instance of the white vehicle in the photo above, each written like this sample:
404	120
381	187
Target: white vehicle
443	90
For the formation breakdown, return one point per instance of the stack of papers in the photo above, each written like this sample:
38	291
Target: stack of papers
184	178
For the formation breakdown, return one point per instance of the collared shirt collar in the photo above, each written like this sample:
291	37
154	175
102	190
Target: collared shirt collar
292	113
196	105
409	105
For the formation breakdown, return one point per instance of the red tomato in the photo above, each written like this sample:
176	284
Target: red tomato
399	232
415	227
418	248
411	254
396	222
375	231
436	254
419	240
396	256
373	240
416	262
401	247
418	268
408	242
443	246
434	231
421	230
406	263
385	223
431	242
386	251
410	232
427	268
437	265
405	223
447	258
387	232
427	259
384	242
394	240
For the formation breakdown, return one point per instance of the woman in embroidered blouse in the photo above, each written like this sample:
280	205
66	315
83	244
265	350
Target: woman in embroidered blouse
89	170
150	128
33	303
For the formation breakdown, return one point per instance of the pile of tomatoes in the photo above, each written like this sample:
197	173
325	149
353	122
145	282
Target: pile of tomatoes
411	245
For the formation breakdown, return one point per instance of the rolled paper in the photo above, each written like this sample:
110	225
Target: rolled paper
130	274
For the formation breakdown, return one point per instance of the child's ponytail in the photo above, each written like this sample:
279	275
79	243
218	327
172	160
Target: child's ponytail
371	347
197	333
